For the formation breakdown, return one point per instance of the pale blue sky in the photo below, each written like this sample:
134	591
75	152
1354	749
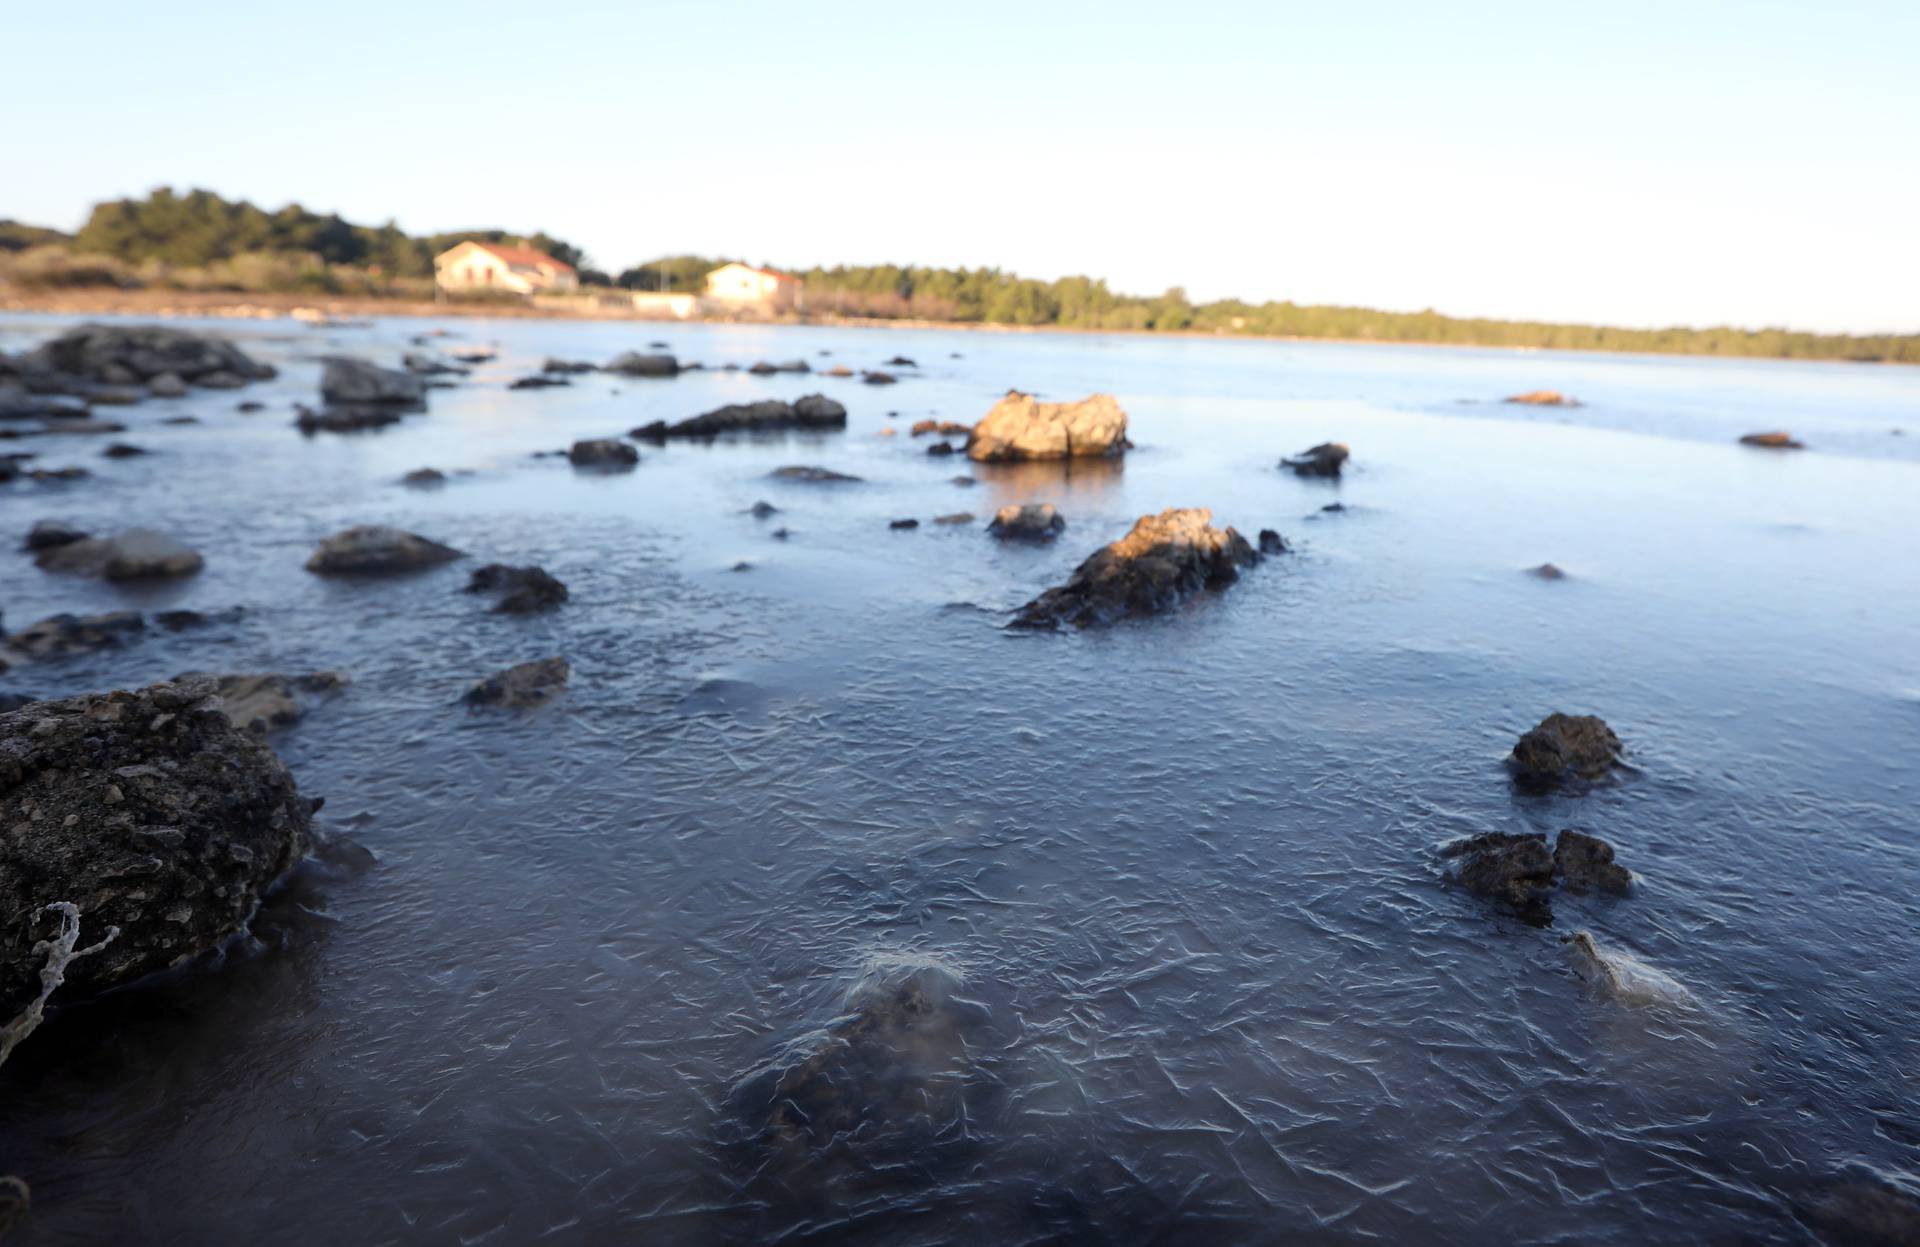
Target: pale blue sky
1639	163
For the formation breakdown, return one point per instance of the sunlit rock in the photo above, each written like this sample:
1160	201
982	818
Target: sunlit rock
1022	427
1165	559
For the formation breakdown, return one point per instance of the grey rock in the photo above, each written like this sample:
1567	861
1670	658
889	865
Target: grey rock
815	411
167	385
269	701
1326	459
378	549
1563	746
150	812
812	475
604	453
635	364
348	382
59	636
524	687
524	590
1033	521
45	534
136	554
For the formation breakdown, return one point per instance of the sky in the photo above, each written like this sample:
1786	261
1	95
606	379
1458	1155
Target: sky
1681	162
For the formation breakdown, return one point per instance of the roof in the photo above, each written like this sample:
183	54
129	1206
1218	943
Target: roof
774	273
519	257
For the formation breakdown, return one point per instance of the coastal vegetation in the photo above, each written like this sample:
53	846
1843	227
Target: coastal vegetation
202	241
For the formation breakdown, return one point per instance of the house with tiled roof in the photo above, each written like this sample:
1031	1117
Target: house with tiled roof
481	266
743	287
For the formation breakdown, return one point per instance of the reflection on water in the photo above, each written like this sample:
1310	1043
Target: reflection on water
1211	985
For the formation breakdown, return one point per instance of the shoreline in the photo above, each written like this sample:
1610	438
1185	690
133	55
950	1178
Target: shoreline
227	305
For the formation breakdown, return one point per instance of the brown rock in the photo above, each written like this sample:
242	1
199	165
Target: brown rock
1166	558
1564	745
1022	427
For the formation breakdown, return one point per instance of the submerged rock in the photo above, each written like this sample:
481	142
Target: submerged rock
876	377
356	418
136	554
57	636
764	368
1033	521
150	812
525	590
634	364
167	385
424	478
538	381
1326	459
762	509
349	382
1546	571
1868	1208
813	475
568	366
945	428
1022	427
1773	441
378	549
1543	398
940	448
523	687
1565	745
957	517
124	450
906	523
893	1066
428	366
814	411
266	701
602	452
1624	977
1166	558
1272	542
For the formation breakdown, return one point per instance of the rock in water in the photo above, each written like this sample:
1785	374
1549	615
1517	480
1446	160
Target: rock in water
1514	867
524	687
1035	521
267	701
526	590
119	354
634	364
1625	977
1326	459
60	635
1166	558
375	548
1272	542
814	411
1584	863
1566	745
817	476
1022	427
1546	571
1543	398
1772	441
606	453
45	534
148	811
893	1066
351	382
137	554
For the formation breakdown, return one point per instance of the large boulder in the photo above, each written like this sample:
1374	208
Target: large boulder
815	411
1166	558
635	364
147	811
1020	426
1519	869
1034	521
121	355
378	549
136	554
349	382
1564	746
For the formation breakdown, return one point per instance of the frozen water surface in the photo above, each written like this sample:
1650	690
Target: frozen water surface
1198	977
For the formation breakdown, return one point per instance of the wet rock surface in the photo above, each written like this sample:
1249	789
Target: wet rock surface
1565	746
1518	869
1326	459
604	453
267	701
891	1068
376	549
59	636
814	411
150	812
1020	426
1546	571
1165	559
1271	542
526	686
45	534
104	361
1032	521
636	364
522	590
811	475
136	554
349	382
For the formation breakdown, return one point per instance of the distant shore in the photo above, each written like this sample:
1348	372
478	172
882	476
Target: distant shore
171	304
